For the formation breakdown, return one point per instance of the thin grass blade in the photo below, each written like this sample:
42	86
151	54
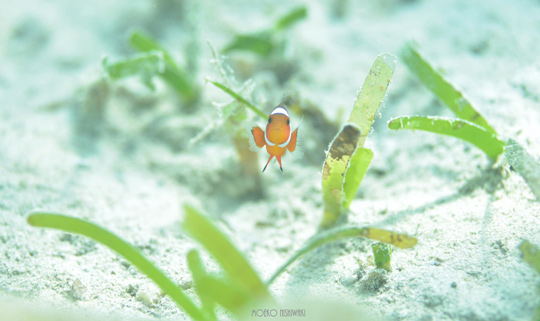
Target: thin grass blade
371	97
239	98
486	141
358	167
333	175
525	165
200	228
118	245
440	87
399	240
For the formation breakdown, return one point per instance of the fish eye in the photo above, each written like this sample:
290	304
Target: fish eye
288	122
269	120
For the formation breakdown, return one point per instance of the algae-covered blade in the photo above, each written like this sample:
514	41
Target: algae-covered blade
440	87
488	142
333	175
369	100
525	165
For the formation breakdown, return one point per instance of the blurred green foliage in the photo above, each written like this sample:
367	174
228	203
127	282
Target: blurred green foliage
123	248
238	288
177	77
200	276
153	60
226	254
265	42
531	254
241	286
146	66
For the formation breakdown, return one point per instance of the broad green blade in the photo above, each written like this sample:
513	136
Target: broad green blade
145	65
440	87
525	165
399	240
239	98
123	248
198	272
200	228
172	74
291	18
355	174
531	254
467	131
333	175
371	97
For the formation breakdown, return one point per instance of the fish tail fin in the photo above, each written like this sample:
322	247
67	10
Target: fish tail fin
279	161
256	139
269	159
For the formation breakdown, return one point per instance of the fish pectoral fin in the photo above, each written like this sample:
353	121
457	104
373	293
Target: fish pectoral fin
256	140
296	146
292	144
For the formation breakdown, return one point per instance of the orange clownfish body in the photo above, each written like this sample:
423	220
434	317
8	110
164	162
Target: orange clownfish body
278	137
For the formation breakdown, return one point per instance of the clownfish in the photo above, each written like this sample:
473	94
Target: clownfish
278	137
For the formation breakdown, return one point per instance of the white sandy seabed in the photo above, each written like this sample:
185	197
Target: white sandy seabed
134	181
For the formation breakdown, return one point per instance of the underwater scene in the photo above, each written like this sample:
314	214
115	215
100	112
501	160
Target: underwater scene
270	160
